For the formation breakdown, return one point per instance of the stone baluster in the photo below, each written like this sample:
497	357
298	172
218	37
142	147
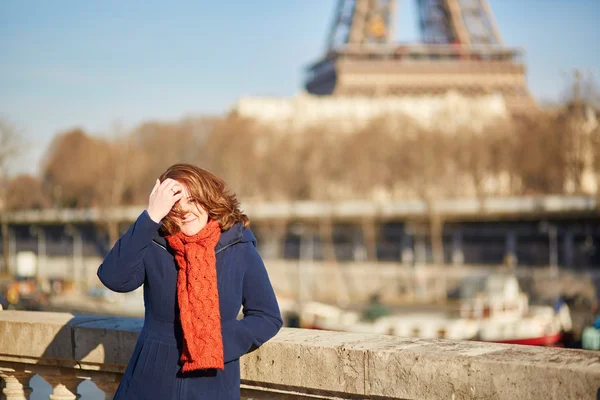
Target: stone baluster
109	388
16	384
63	387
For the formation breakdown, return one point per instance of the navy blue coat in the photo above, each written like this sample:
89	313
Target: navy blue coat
142	256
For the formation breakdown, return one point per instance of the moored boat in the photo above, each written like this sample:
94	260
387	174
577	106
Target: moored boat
493	309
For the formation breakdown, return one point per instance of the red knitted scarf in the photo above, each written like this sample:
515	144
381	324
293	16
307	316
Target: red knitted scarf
198	297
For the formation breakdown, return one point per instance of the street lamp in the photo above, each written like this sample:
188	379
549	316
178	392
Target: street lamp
552	232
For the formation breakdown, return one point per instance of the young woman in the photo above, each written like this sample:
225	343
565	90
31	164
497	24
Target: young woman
197	259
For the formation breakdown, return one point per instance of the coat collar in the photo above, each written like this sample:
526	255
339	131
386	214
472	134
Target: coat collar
235	234
230	236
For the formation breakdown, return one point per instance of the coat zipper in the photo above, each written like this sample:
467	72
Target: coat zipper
229	245
158	244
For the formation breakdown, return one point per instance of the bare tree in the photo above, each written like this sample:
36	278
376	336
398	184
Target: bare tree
582	88
539	159
26	192
595	151
482	158
395	155
374	159
579	123
282	168
122	168
236	149
10	147
157	145
431	164
75	169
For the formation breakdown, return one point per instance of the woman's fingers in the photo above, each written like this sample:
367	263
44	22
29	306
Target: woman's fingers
177	197
173	187
170	185
166	183
164	195
155	188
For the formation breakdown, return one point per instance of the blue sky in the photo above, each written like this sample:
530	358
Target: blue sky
94	63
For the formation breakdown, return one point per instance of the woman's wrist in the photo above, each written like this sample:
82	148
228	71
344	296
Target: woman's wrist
153	215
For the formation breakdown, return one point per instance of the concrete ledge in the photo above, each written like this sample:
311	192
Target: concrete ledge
80	341
300	363
378	366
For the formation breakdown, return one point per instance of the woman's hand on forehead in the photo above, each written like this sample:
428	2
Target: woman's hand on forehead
162	198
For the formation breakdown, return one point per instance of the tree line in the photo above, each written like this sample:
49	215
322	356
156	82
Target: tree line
393	157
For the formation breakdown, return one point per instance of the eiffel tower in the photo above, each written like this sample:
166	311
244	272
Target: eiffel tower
462	50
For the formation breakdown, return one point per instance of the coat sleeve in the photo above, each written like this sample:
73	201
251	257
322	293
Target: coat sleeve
262	318
123	269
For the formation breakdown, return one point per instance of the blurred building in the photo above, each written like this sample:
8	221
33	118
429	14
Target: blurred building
447	111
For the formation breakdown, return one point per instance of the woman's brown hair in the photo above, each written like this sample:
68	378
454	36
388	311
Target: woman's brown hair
209	191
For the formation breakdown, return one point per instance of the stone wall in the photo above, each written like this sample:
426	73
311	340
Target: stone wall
305	364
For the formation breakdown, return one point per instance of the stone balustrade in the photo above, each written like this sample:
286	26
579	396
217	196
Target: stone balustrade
66	349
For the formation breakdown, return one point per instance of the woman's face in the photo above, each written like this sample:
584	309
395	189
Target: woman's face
195	218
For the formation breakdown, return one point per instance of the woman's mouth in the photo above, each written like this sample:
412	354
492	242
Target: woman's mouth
190	220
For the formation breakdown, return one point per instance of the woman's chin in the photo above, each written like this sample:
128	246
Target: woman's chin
190	230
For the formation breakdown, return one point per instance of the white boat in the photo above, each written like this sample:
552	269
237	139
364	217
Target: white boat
493	309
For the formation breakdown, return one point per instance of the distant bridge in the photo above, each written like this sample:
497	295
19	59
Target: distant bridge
496	208
536	230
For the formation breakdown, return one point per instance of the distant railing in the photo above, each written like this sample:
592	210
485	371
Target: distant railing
420	51
435	51
345	210
65	350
